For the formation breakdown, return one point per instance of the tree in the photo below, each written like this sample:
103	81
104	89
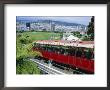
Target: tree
77	34
90	31
84	38
24	52
61	35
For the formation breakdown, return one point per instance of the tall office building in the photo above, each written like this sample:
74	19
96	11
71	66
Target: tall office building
52	26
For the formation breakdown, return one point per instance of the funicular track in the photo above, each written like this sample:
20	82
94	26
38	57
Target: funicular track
54	68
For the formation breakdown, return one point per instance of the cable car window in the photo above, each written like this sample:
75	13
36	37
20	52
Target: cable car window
46	46
69	51
88	54
66	52
50	48
62	51
56	49
73	51
78	52
92	52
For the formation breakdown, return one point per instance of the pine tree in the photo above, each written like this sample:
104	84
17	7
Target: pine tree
90	31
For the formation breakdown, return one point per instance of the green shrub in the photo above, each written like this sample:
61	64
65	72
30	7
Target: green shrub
27	67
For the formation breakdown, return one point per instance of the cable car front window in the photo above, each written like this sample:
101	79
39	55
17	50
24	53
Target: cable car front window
38	46
34	44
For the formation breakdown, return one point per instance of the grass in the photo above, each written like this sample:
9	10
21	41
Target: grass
41	35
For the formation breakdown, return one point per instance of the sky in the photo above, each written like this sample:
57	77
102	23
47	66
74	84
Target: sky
71	19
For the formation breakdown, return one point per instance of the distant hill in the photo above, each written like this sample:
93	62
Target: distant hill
50	21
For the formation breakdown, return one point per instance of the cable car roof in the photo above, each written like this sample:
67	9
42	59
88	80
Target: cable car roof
86	44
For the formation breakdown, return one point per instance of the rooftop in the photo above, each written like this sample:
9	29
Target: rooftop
86	44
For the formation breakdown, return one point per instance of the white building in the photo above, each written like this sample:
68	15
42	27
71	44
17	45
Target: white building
73	38
68	36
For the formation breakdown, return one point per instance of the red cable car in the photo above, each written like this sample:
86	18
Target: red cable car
76	54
